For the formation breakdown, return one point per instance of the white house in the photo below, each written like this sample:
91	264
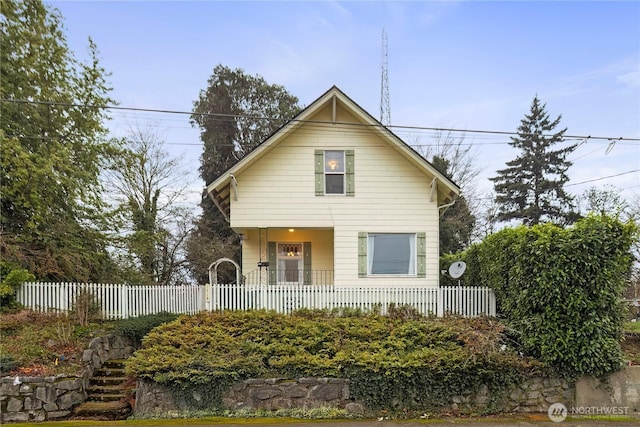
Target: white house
334	197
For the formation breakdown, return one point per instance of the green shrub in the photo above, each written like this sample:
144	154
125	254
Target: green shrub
392	362
11	277
136	328
561	290
7	363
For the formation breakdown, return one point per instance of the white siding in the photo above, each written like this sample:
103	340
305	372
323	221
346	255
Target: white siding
391	195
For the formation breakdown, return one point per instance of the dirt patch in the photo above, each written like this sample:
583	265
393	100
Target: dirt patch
41	344
631	347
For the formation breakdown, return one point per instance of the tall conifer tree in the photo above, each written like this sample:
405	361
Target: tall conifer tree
531	187
235	113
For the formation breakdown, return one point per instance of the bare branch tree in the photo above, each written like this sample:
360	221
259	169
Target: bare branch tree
149	188
461	161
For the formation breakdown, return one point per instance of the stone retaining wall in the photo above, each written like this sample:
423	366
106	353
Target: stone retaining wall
534	395
39	398
101	349
270	394
54	397
284	394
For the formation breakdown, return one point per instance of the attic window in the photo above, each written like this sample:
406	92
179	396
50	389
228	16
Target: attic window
334	172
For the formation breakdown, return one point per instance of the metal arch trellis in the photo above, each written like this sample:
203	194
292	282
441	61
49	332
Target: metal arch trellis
214	274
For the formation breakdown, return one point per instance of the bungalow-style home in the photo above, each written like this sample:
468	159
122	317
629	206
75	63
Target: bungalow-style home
334	197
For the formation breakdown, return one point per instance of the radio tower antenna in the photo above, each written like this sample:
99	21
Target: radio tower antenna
385	109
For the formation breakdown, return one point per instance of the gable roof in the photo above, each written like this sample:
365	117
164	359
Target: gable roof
220	190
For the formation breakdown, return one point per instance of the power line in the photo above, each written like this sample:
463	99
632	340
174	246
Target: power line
601	178
317	122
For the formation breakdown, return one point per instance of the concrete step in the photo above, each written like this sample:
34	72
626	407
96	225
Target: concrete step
108	380
106	397
114	363
109	372
111	388
108	392
110	410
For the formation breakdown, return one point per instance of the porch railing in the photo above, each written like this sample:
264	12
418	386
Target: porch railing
274	276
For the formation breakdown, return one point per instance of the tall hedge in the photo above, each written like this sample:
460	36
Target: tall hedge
561	289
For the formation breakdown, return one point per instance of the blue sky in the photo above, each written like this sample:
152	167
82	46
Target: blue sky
464	65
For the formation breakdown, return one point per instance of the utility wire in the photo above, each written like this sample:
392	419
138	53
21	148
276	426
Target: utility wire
319	122
601	178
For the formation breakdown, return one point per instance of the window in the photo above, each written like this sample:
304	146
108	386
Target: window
395	254
334	172
391	253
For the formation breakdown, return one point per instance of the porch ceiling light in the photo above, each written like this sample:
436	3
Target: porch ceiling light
291	230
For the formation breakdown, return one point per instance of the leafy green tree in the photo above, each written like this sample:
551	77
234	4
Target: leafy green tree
457	222
531	187
149	189
235	114
11	277
604	201
53	147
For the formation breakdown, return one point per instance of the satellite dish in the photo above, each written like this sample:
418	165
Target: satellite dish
457	269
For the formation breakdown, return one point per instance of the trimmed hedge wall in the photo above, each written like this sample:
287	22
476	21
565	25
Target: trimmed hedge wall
560	289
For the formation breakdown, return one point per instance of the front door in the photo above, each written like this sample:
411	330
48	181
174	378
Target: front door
290	263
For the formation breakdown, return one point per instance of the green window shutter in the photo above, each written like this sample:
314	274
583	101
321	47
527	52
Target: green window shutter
362	254
350	173
319	162
273	263
307	275
421	252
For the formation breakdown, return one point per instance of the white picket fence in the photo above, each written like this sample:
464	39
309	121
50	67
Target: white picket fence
123	301
466	301
116	301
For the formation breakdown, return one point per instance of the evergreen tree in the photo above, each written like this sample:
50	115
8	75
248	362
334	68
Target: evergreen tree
235	114
52	148
531	187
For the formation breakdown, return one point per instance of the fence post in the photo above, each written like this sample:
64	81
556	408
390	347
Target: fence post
207	296
440	302
124	301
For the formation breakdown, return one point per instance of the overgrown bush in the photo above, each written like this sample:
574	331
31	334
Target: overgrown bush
392	362
136	328
86	307
7	363
11	277
561	289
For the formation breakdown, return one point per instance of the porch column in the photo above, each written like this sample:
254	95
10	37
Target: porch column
264	255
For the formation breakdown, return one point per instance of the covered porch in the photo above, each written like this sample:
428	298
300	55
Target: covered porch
287	256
